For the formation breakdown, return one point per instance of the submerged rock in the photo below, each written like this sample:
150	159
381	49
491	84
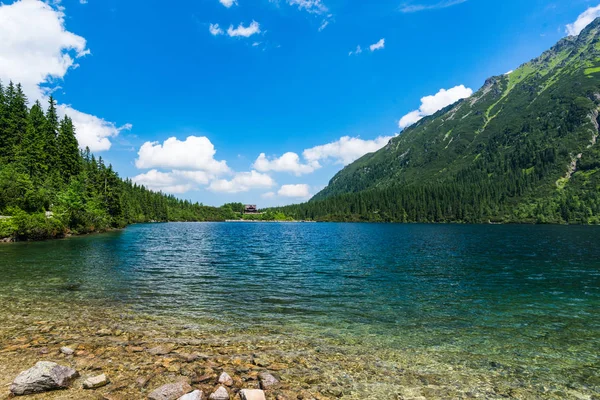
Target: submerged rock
195	395
171	391
220	394
225	379
67	351
267	380
44	376
161	350
252	394
96	382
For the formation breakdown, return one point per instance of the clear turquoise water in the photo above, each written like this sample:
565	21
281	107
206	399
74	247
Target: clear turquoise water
521	302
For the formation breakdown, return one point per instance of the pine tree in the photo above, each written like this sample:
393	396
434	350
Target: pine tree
50	136
4	140
31	152
69	158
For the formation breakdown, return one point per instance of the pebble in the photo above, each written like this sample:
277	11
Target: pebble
171	391
195	395
219	394
67	351
225	379
161	350
252	394
95	382
267	380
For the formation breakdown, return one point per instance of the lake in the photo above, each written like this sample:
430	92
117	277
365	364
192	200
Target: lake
375	310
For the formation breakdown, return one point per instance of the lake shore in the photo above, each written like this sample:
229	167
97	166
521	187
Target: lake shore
139	353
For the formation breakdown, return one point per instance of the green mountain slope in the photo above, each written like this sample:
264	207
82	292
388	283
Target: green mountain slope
521	149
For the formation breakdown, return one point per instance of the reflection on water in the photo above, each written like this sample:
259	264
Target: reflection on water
523	299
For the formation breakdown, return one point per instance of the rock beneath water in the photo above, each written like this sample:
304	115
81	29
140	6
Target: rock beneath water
44	376
171	391
96	382
267	380
202	378
219	394
225	379
67	351
161	350
195	395
252	394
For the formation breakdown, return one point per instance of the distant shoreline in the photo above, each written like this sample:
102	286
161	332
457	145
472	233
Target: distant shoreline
258	221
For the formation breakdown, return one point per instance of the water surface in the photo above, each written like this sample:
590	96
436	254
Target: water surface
519	304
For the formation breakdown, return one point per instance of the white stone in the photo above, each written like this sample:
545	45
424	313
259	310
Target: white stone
67	351
95	382
252	394
225	379
195	395
219	394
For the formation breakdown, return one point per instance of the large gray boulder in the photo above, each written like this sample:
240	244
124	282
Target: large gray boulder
42	377
171	391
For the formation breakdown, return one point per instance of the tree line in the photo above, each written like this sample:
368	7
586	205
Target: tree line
50	188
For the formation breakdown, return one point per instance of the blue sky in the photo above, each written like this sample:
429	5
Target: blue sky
136	73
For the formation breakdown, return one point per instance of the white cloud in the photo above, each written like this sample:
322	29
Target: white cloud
215	29
345	150
323	25
195	153
357	51
91	131
297	191
411	118
242	182
176	181
289	162
378	46
587	17
268	195
244	31
312	6
409	8
431	104
228	3
36	49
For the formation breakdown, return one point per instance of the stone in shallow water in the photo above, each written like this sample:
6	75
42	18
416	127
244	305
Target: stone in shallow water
67	351
171	391
267	380
195	395
95	382
219	394
225	379
252	394
44	376
161	350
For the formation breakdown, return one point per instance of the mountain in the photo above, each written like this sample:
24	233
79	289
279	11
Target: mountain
523	148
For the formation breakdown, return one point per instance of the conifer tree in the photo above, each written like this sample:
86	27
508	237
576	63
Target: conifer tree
4	140
31	151
50	136
69	158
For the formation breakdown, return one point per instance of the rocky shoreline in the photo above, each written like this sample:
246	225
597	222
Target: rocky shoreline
109	353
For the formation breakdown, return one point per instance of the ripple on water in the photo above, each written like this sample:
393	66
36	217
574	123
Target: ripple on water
510	306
